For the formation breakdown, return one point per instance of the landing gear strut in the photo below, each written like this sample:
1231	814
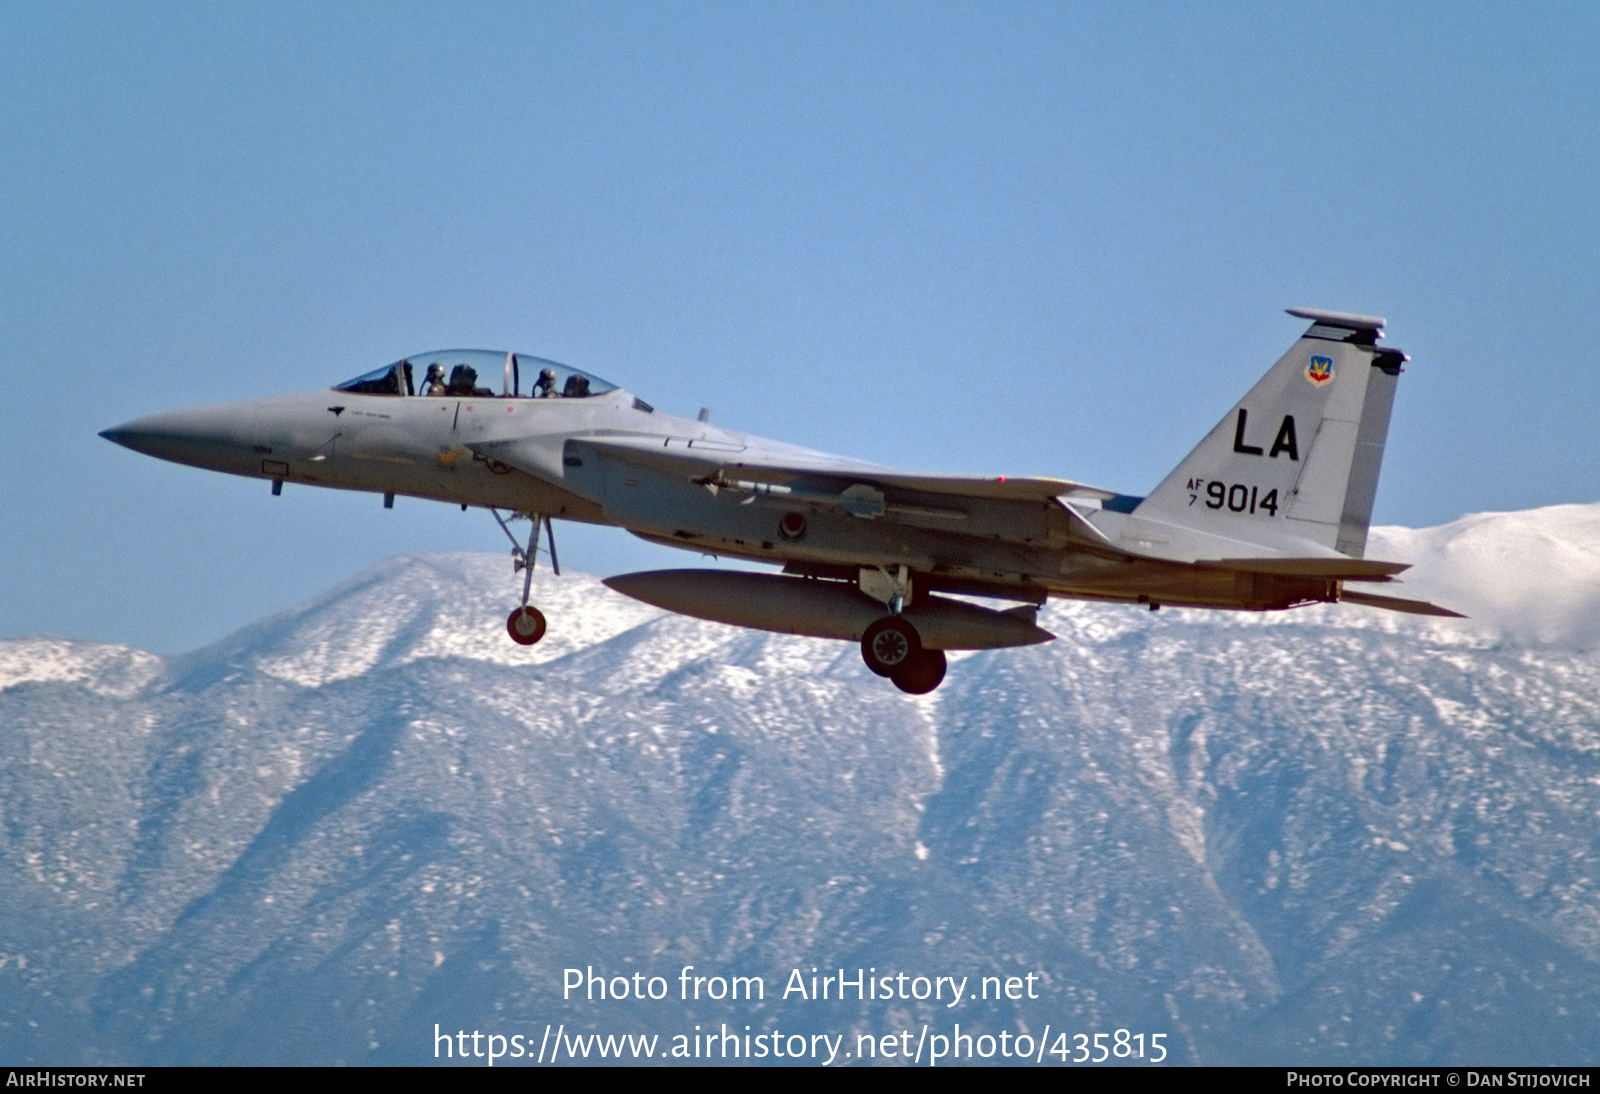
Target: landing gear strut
527	623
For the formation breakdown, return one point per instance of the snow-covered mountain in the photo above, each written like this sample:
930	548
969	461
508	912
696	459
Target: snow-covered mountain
1328	835
1530	577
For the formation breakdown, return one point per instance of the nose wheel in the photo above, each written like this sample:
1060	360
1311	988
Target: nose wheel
526	625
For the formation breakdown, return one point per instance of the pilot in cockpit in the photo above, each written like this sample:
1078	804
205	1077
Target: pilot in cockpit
434	384
464	382
546	386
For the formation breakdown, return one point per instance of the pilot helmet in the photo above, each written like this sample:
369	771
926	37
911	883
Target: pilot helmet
547	378
435	372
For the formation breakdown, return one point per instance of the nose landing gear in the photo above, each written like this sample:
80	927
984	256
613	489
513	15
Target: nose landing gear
526	624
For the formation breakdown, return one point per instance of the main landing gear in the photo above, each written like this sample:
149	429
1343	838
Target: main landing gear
526	624
892	647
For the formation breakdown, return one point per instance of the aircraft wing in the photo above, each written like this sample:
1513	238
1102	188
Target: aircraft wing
717	466
770	468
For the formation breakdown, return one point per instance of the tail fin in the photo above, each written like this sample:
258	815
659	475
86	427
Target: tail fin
1298	457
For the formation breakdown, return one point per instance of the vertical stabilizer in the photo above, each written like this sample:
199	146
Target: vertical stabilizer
1298	457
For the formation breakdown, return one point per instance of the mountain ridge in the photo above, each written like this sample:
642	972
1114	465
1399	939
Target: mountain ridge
1323	836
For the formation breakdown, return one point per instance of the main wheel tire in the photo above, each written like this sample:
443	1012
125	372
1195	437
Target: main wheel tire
888	644
922	673
526	625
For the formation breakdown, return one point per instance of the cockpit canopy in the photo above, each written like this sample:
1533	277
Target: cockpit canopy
478	373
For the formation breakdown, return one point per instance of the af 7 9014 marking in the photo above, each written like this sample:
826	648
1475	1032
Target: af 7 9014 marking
1236	497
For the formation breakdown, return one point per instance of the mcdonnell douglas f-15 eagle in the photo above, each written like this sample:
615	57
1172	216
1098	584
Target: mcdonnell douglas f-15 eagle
1268	512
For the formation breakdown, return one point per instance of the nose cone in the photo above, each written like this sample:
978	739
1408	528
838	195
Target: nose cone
132	435
215	437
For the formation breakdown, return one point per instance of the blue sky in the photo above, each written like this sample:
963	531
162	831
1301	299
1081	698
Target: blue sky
986	238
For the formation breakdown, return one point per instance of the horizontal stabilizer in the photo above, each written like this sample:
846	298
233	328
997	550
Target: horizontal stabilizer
1396	604
1345	569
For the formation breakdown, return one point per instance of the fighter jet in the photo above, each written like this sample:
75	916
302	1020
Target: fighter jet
1270	510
